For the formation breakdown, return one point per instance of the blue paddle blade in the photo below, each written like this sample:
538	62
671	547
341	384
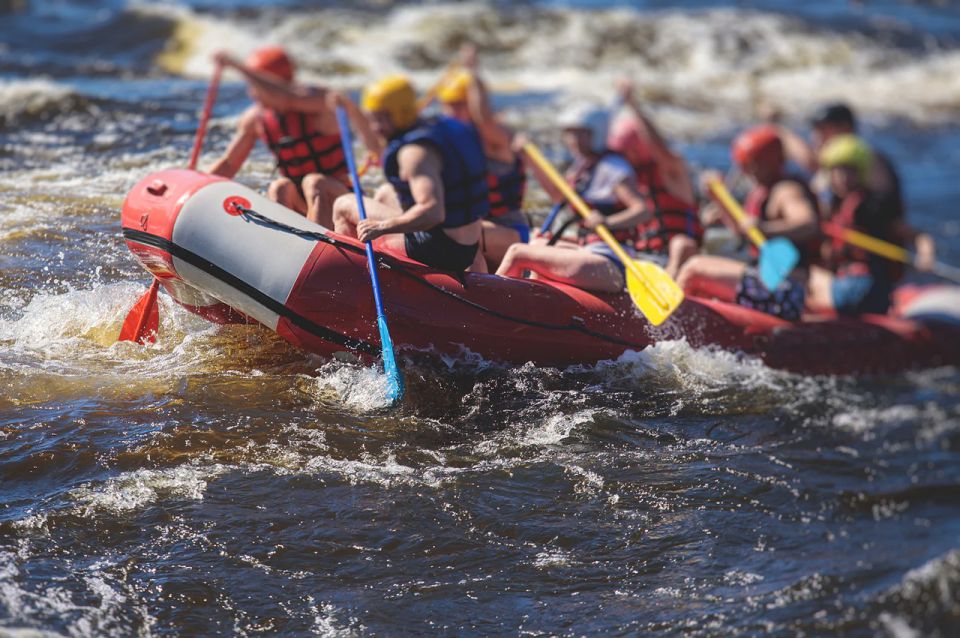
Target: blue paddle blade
390	368
778	258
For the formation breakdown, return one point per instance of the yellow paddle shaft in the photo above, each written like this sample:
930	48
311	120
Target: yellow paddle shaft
732	206
871	244
427	98
577	203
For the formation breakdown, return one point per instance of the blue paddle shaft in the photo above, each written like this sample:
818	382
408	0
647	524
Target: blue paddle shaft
548	222
395	391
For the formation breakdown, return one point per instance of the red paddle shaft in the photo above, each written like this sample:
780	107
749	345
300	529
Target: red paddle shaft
205	116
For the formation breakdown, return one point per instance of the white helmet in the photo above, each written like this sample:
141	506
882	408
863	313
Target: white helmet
591	118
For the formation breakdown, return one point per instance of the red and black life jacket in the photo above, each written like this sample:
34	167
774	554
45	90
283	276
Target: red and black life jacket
756	206
506	189
858	211
671	215
300	149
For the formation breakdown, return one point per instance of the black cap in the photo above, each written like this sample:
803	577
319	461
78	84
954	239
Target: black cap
834	114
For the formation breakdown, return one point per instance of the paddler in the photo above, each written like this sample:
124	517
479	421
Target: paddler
781	206
674	228
463	96
299	125
438	173
852	280
607	183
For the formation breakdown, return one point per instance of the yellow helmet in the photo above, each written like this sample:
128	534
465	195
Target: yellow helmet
848	150
455	87
394	95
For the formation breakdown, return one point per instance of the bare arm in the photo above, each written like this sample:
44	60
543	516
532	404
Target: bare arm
635	212
798	220
672	165
370	139
647	129
797	149
276	94
240	146
496	137
420	167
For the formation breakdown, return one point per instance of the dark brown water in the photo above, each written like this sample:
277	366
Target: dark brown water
221	482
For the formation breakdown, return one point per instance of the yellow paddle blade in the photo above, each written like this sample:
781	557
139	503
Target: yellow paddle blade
653	291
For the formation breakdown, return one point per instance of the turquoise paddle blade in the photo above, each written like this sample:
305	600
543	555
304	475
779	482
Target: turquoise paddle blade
778	258
390	368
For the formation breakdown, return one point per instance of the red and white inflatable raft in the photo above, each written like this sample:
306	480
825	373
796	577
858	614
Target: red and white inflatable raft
230	255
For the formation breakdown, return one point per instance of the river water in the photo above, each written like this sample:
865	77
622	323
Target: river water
221	482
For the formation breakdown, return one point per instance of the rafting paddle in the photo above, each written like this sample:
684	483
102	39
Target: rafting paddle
205	116
885	249
429	96
778	256
143	321
652	290
390	369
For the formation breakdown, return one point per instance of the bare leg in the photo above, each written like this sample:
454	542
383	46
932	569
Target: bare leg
346	216
320	192
386	194
496	241
479	263
283	191
579	268
820	290
681	249
709	276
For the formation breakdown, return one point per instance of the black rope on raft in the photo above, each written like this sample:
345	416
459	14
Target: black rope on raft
387	262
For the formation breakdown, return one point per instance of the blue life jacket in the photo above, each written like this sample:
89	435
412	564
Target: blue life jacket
464	174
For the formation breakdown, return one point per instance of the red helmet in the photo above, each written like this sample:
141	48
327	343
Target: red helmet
758	143
272	60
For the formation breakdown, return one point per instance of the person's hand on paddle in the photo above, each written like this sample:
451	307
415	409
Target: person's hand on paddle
595	219
370	229
926	258
224	59
520	140
712	215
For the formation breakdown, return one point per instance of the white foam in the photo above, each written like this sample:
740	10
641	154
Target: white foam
32	97
699	70
362	388
138	489
556	428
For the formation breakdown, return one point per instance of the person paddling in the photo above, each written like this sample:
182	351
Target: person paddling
437	171
298	125
853	281
463	96
781	206
607	183
674	228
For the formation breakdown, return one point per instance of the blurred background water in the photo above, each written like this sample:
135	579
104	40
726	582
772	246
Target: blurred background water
221	482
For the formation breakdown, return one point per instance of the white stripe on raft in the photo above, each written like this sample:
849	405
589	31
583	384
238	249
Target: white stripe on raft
268	261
